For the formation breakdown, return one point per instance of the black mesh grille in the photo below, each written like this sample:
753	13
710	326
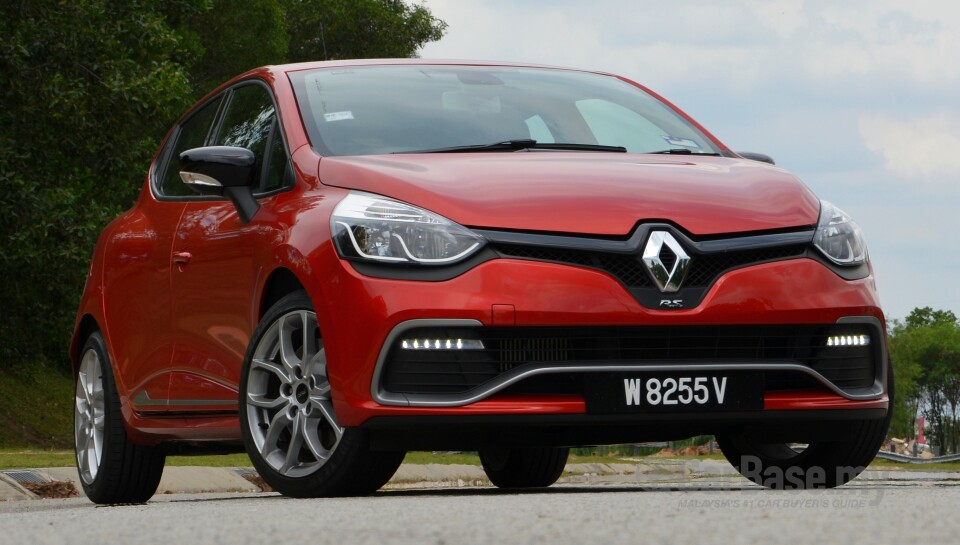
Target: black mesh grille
455	371
575	257
704	268
627	269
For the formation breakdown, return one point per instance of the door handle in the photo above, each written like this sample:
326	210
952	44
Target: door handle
182	258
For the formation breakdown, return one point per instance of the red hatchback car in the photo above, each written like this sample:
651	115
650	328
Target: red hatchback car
331	264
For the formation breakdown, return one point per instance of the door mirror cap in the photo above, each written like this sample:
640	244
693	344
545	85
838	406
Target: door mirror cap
222	170
211	169
753	156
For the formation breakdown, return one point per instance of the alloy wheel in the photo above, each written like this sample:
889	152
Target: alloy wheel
89	416
288	407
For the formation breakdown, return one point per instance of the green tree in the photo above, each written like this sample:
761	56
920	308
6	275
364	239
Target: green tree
906	372
925	349
926	317
236	36
87	90
358	29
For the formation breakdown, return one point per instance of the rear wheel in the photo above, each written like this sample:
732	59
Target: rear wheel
535	467
820	465
112	468
289	425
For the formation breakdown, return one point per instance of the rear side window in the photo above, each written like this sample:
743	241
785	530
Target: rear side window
251	122
192	134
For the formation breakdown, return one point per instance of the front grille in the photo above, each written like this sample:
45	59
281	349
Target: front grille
439	371
628	269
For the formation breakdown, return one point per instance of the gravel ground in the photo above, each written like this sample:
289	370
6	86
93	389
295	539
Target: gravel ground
711	510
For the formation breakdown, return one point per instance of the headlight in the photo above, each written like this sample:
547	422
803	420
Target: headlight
838	237
379	229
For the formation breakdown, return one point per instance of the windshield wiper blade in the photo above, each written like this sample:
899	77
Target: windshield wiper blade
521	144
580	147
496	146
681	151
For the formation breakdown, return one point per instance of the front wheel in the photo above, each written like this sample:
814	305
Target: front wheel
289	425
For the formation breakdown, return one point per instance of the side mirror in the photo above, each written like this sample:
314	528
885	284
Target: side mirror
762	157
222	170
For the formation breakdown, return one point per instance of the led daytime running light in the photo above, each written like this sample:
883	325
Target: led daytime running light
441	344
848	340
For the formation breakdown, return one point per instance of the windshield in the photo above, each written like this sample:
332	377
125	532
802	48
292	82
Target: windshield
409	108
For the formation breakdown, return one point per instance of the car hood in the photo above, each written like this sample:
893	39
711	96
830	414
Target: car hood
585	193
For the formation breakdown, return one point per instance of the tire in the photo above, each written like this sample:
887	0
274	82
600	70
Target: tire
536	467
820	465
289	426
112	468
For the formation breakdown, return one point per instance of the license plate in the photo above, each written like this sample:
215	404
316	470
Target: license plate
674	392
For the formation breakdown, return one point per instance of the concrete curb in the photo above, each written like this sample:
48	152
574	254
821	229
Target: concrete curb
175	480
193	480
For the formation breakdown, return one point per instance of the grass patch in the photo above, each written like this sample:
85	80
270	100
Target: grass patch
466	458
37	408
219	460
27	459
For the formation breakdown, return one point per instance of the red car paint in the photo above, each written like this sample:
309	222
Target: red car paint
719	195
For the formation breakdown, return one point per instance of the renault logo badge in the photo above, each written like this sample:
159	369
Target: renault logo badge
666	260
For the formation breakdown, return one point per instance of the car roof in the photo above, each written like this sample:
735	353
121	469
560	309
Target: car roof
313	65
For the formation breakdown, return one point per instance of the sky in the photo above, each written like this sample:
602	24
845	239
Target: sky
860	99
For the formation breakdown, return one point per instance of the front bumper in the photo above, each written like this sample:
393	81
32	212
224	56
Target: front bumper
358	317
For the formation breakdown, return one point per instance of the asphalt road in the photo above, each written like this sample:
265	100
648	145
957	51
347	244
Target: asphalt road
719	510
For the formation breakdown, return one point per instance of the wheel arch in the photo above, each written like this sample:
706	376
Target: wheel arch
86	326
296	265
281	282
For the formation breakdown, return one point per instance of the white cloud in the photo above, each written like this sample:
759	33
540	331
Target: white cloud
783	16
920	149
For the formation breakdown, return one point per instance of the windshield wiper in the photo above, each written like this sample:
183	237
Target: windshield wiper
682	151
523	144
